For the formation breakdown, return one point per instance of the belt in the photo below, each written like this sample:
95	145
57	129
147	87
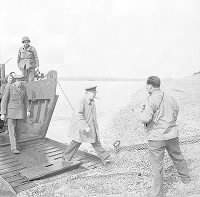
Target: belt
27	58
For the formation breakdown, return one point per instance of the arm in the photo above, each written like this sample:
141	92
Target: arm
4	101
146	115
175	108
26	103
81	113
35	57
82	117
18	57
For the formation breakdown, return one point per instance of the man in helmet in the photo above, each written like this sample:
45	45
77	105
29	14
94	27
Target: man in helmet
27	59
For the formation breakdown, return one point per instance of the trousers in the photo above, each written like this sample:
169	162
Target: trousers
12	124
28	73
74	146
156	153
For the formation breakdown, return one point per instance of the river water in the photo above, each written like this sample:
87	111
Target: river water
113	96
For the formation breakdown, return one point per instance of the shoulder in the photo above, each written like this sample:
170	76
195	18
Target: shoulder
6	88
21	48
155	98
32	48
83	100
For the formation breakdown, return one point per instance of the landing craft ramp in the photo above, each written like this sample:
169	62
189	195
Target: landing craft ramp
39	156
39	159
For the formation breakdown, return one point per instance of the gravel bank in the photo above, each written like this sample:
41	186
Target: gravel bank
131	175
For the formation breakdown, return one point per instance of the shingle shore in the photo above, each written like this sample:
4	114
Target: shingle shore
131	175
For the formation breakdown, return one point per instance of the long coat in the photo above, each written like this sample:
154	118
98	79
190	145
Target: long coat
27	57
14	102
86	116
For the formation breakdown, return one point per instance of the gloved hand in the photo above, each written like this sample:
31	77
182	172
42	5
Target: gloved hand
28	113
87	130
3	116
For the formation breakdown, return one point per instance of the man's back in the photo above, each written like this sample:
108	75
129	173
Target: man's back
161	112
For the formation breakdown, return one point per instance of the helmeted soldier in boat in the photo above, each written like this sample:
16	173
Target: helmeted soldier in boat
27	59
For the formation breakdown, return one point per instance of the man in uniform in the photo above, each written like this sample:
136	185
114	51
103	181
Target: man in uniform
14	105
84	128
27	59
159	116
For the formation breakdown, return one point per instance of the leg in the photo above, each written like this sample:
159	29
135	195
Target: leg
11	130
30	74
156	153
71	150
102	153
24	72
174	151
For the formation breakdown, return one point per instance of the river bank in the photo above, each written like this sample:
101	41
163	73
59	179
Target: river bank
131	176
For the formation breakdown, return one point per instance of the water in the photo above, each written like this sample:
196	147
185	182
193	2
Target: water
114	95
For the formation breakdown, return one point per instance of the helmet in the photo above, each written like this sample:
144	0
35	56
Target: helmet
25	38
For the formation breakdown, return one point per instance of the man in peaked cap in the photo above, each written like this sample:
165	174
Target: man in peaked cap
159	116
84	128
27	59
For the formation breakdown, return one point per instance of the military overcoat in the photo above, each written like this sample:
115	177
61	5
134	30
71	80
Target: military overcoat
14	103
85	117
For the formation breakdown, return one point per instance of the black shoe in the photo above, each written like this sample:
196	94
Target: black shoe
108	161
15	151
65	160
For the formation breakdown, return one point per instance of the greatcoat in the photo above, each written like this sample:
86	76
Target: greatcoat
85	117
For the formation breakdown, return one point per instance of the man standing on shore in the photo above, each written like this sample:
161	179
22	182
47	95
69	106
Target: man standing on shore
27	59
159	116
84	128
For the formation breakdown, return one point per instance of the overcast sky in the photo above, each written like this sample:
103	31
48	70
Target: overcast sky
105	38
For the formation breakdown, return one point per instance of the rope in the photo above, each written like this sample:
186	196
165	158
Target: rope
65	96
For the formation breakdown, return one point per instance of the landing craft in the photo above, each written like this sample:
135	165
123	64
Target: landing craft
40	157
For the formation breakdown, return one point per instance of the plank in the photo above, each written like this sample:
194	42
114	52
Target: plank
47	169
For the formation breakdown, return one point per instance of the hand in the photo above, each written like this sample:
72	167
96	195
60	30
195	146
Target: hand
87	130
3	116
28	113
143	107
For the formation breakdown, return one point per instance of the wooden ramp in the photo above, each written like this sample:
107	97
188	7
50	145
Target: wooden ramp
39	159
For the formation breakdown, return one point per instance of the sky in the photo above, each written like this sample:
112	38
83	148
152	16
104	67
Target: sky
104	38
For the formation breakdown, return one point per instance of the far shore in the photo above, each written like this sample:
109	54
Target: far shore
98	79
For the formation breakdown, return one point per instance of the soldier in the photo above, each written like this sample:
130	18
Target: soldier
8	80
159	116
27	59
14	105
84	128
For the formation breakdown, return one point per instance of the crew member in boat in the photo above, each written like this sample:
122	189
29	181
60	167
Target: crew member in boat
27	60
84	128
14	108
